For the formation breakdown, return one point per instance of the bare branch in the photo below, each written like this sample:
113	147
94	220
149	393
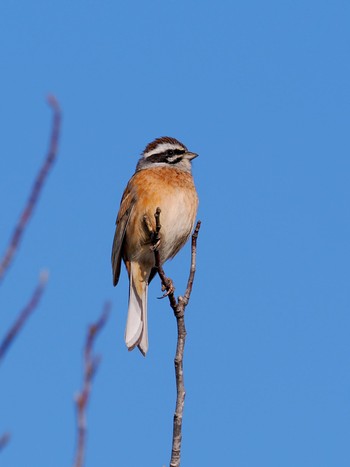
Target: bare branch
178	307
36	190
193	263
91	363
24	314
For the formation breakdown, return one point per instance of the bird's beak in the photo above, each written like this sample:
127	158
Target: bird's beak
190	155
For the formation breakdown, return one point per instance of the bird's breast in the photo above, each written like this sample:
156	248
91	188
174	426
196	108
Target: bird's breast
173	191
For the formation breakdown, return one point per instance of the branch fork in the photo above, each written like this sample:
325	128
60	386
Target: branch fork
178	306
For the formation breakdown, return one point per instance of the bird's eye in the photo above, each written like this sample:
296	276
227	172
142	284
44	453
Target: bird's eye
170	152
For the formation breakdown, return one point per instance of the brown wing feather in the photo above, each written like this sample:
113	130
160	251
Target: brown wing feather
126	206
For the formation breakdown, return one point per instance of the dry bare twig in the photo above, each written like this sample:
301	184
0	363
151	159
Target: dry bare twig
36	190
91	363
178	307
24	314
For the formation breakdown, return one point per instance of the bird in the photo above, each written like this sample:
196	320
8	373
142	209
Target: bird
163	179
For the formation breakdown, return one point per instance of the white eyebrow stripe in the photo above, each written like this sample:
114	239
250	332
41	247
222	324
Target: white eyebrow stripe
173	158
162	148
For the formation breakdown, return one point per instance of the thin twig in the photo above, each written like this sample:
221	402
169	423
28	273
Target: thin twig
91	363
193	263
178	307
180	347
24	314
36	190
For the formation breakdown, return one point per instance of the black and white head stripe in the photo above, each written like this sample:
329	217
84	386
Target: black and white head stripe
162	147
166	151
169	156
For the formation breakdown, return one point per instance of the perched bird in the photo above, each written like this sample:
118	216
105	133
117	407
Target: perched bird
162	179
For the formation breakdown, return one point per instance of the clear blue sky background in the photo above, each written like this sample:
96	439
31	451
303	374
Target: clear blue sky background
261	91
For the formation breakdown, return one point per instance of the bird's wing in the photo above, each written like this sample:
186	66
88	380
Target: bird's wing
126	207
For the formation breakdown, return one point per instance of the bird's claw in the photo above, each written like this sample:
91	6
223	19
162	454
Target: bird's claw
168	288
155	245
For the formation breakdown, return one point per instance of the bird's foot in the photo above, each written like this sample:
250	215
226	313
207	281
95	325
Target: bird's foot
168	287
155	243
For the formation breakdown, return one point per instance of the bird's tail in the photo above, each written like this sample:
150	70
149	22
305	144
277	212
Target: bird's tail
136	333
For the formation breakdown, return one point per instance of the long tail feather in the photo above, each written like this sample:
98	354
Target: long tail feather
143	345
136	325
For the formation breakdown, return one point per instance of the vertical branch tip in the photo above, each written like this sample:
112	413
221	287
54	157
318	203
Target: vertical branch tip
91	363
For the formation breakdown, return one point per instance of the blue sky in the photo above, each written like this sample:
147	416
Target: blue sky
261	91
